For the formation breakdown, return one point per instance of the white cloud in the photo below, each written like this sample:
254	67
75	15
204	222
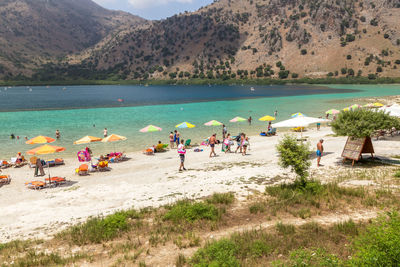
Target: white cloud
154	3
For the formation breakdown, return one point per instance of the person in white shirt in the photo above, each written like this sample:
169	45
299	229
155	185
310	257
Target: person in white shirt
182	153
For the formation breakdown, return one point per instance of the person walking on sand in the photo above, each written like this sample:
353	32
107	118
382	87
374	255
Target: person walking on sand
224	131
171	139
249	120
177	138
58	134
320	151
213	141
240	140
182	153
105	132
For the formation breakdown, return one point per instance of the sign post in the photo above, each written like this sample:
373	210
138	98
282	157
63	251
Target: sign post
355	147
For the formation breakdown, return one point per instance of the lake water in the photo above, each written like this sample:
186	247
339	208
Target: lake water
86	110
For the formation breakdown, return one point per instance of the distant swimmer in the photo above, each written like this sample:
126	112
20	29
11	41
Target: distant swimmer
105	132
58	134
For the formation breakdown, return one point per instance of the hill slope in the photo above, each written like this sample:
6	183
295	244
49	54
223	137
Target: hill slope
312	38
34	31
248	39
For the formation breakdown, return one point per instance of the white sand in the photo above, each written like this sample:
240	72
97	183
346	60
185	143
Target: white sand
149	181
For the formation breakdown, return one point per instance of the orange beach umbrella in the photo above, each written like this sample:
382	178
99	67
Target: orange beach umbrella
40	140
45	149
113	138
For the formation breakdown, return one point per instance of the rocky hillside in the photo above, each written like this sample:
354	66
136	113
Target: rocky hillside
36	31
250	38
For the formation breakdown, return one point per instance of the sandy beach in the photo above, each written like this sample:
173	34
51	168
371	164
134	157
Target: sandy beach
145	181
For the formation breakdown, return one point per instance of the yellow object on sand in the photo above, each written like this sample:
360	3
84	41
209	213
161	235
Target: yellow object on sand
298	129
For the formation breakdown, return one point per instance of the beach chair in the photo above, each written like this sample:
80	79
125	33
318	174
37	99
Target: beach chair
56	181
188	142
5	164
103	166
83	170
32	162
5	179
272	132
36	185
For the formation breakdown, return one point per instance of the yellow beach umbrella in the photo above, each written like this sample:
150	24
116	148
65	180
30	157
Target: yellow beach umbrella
44	150
267	118
87	139
40	140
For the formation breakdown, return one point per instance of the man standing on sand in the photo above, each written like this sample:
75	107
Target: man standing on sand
224	131
182	153
213	141
177	138
320	151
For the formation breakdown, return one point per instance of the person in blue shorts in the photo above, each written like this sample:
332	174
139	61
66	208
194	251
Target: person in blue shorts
320	151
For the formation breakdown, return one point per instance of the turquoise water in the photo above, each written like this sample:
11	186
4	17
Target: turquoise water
127	121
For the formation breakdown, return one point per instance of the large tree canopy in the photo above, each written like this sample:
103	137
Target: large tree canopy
363	123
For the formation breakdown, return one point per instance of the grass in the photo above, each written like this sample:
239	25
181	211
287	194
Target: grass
224	198
99	229
188	211
258	207
397	174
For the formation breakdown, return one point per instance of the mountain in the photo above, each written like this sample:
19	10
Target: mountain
38	31
248	39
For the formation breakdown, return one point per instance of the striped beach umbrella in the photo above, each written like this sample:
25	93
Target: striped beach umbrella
150	129
298	114
184	125
332	112
40	140
238	119
213	123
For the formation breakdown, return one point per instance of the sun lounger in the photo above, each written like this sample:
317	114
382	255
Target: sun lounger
103	166
35	185
5	164
148	152
83	170
56	180
5	179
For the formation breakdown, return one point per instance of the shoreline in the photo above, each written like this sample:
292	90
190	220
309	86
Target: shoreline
306	81
40	214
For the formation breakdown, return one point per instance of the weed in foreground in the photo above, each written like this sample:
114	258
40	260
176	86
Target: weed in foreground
99	229
221	198
192	211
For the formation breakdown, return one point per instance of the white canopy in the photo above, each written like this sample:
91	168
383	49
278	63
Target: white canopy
393	110
299	122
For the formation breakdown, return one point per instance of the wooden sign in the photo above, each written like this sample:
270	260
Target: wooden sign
355	147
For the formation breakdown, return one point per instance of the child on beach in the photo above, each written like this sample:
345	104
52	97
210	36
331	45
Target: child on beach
182	153
171	139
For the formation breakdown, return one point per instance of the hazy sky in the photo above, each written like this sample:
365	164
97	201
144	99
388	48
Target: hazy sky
154	9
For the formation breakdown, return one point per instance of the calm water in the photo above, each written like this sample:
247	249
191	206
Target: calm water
76	110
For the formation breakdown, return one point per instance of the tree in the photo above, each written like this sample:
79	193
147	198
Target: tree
363	123
295	155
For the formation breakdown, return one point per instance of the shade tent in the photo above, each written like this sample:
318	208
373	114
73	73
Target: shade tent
298	121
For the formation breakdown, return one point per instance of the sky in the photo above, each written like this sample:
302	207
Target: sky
154	9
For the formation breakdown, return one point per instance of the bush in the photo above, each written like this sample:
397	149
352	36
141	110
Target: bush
362	123
343	70
303	52
225	198
295	75
98	229
191	211
386	36
379	69
283	74
379	246
294	155
218	253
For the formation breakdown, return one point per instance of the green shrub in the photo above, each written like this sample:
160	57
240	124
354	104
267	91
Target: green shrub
99	229
379	245
258	207
224	198
303	52
312	257
191	211
285	229
397	174
294	155
362	123
219	253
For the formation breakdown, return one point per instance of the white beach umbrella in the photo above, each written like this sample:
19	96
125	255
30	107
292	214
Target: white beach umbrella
393	110
298	122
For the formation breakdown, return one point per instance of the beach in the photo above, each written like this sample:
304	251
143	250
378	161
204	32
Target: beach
151	181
